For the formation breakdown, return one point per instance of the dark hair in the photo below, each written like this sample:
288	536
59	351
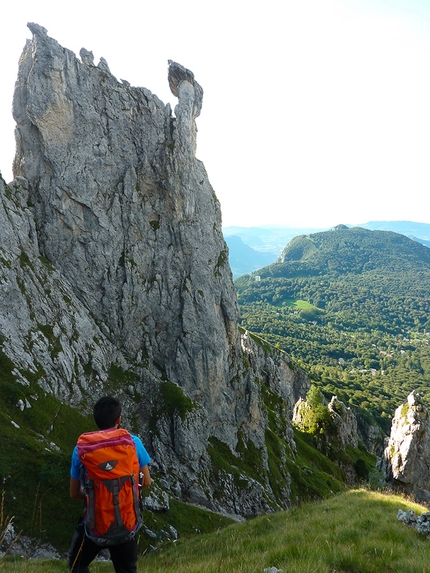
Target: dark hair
106	412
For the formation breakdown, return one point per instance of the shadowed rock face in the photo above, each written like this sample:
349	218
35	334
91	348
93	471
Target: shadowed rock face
108	191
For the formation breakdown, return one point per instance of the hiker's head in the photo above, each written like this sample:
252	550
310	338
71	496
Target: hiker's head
106	412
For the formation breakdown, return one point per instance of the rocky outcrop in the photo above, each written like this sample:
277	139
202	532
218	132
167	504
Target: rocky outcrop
334	428
115	274
335	423
12	544
345	422
406	462
421	522
372	436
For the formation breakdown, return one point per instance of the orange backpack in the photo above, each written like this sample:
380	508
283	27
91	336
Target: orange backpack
111	485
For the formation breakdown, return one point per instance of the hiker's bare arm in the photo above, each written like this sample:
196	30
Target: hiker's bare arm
146	480
75	489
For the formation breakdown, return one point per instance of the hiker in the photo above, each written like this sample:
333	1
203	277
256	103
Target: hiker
93	533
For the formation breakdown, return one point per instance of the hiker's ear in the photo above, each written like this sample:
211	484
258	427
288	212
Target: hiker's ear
118	422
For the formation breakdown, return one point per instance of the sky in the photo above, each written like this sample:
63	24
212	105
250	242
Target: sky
315	112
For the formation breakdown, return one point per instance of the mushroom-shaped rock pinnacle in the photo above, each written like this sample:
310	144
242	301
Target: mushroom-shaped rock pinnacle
36	29
179	74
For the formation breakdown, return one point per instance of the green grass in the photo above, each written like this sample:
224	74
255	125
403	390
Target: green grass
353	532
298	303
187	519
35	448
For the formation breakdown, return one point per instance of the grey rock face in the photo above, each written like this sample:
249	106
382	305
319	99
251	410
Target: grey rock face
333	437
421	522
112	254
346	422
119	199
406	461
45	330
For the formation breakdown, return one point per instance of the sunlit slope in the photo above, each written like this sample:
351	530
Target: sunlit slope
354	532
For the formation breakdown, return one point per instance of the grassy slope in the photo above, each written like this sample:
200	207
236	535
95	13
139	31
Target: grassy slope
35	448
353	532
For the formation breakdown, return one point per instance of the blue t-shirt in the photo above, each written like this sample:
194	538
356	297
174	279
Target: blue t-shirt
142	456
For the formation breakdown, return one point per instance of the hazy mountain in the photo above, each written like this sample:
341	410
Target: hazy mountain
416	231
267	239
244	259
251	248
352	250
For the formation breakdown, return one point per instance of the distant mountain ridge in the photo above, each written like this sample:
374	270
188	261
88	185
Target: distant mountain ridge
272	240
408	228
244	259
351	250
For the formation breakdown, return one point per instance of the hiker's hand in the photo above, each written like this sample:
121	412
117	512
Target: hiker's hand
144	477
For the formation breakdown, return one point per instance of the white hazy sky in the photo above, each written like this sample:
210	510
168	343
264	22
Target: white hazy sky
315	112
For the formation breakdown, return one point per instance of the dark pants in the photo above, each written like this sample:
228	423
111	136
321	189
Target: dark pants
83	551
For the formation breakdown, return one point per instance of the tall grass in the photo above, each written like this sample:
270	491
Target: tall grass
353	532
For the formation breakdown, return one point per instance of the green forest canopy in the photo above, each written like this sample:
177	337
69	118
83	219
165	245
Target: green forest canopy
352	306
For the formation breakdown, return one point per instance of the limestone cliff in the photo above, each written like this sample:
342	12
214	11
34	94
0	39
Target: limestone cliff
113	262
406	461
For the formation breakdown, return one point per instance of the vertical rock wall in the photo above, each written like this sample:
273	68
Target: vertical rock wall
125	211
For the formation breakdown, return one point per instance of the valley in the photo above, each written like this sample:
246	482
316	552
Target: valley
352	306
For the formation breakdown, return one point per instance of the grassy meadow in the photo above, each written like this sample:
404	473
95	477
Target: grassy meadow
353	532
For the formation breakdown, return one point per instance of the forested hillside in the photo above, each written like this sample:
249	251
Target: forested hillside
353	307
